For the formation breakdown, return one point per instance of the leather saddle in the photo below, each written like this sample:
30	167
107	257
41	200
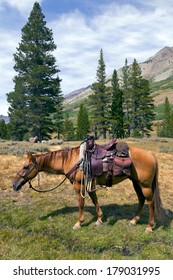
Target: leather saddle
112	158
106	150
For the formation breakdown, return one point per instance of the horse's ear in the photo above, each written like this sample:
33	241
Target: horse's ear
29	155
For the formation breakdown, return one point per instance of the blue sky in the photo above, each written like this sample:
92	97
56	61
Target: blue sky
122	28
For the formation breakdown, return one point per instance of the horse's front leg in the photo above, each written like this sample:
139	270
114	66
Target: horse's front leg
81	200
94	199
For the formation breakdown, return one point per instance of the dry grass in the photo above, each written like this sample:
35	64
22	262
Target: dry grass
28	216
10	164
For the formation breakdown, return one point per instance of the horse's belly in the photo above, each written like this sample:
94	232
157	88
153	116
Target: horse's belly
101	180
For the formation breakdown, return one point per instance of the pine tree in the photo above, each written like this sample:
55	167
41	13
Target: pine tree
117	114
58	117
146	109
126	98
3	129
171	125
83	124
166	129
142	105
100	99
68	131
37	93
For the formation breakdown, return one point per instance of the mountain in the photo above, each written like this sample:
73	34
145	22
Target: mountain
158	69
160	66
76	95
5	118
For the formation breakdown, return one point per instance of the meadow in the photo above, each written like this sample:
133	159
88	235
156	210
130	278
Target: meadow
39	226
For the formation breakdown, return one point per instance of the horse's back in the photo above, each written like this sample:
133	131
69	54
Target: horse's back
144	163
142	155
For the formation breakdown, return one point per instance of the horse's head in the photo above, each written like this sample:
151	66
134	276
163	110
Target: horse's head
28	171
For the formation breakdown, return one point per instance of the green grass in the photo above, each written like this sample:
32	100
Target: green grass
41	228
37	226
162	85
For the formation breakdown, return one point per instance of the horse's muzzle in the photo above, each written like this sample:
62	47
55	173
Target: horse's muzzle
17	187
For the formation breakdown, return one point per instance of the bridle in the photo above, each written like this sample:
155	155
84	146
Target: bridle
35	166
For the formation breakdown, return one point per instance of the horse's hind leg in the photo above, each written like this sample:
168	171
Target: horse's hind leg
141	199
148	193
144	193
94	199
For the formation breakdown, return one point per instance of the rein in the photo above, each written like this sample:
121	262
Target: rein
72	170
38	190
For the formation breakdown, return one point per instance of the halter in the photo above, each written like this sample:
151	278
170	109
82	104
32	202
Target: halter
29	171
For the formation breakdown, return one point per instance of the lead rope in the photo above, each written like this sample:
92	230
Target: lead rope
87	180
66	176
81	188
39	190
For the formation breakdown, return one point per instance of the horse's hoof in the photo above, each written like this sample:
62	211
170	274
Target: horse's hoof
132	223
149	230
99	223
76	226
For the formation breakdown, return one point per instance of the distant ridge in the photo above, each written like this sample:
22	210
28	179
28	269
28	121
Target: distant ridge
5	118
77	95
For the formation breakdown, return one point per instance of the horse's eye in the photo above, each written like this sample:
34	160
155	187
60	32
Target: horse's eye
26	167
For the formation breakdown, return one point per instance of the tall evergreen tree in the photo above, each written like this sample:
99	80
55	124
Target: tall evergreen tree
146	109
116	113
100	99
83	124
68	131
37	93
166	129
171	125
126	98
142	105
3	129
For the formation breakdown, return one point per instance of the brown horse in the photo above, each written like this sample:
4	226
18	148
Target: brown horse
144	176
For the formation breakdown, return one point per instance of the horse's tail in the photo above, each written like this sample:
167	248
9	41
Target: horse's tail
158	209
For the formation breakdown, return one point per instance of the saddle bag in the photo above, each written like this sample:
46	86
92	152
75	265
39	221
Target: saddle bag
121	166
122	149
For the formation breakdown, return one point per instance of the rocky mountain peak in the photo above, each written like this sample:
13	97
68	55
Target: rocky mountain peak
160	66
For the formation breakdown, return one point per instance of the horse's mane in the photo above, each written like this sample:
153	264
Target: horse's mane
49	156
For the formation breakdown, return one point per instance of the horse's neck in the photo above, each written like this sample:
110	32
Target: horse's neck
70	159
59	162
51	162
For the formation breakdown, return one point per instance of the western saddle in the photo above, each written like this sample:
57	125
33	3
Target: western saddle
112	158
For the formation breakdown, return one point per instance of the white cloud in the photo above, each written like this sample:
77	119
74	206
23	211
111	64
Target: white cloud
7	46
121	30
23	6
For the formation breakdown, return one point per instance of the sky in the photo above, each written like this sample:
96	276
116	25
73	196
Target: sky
81	28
